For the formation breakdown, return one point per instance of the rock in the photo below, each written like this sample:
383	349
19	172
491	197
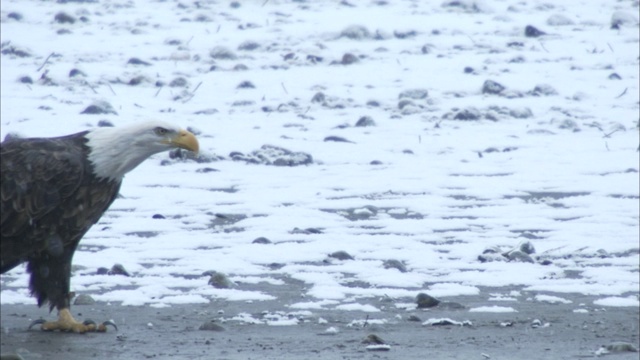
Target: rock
64	18
341	255
614	76
16	51
621	346
531	31
273	155
622	18
99	107
76	72
348	59
83	299
492	87
209	111
319	97
559	20
365	121
178	82
425	301
246	85
136	61
405	34
220	281
261	240
543	90
355	32
211	325
118	269
336	139
25	80
249	45
394	264
521	113
222	53
469	114
416	94
373	339
14	15
240	67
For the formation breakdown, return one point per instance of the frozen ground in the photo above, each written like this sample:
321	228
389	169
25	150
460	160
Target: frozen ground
452	170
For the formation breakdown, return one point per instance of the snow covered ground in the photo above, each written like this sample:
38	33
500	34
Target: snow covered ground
450	167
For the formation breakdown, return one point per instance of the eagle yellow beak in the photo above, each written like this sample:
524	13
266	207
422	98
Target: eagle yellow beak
185	140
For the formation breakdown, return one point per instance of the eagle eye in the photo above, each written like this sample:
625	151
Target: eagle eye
161	131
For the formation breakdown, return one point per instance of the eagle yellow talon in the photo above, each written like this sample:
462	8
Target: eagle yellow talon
67	323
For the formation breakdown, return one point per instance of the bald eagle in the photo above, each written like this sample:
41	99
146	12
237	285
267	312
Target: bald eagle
54	189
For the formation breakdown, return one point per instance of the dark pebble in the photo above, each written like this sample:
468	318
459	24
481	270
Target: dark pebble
531	31
373	103
206	170
102	271
118	269
314	58
99	108
210	111
220	281
136	80
615	76
355	32
319	97
336	139
261	240
365	121
469	114
158	216
211	326
414	318
543	90
249	46
105	123
425	301
84	299
373	339
136	61
375	162
468	70
222	53
394	264
415	94
341	255
14	16
76	72
348	59
25	80
405	34
64	18
240	67
178	82
246	85
492	87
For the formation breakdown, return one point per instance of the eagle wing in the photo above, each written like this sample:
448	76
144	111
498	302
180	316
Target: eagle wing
38	176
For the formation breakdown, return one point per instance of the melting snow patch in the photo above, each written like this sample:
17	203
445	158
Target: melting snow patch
618	301
552	299
358	307
494	309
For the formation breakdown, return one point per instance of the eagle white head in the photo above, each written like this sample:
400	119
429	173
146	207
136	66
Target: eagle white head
114	151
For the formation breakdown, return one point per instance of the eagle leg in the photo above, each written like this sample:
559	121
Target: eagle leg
66	322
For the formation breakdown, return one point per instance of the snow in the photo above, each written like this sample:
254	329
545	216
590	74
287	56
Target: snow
433	203
618	301
493	309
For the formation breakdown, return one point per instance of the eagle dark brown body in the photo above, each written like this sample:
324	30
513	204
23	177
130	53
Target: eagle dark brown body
50	199
54	189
